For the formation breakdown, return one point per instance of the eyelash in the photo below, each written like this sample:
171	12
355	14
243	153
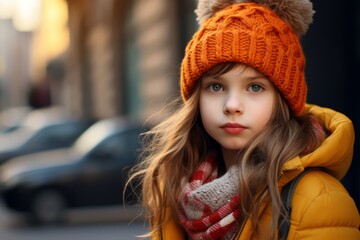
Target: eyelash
221	87
211	85
261	88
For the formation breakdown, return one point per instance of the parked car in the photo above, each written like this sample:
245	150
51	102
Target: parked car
11	118
92	172
41	130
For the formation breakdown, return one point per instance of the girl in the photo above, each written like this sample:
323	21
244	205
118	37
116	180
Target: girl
214	169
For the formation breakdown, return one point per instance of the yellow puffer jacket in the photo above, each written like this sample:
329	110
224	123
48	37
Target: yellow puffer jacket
321	207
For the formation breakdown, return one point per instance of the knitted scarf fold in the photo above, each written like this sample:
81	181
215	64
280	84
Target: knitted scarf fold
210	205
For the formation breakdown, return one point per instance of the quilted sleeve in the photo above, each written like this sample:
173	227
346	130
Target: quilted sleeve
323	209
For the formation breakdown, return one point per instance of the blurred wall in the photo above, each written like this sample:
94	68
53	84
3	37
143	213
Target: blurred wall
122	57
32	32
15	65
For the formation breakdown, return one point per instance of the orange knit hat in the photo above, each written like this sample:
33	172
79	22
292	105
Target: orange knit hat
255	35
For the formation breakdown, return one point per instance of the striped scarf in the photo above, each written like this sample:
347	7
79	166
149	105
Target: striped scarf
210	205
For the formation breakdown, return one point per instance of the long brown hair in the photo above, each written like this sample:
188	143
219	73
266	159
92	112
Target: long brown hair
172	150
285	137
176	146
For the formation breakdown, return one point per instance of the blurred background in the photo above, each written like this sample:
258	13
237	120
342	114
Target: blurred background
101	59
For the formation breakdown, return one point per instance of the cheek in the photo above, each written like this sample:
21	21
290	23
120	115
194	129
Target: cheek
263	119
208	111
204	112
264	114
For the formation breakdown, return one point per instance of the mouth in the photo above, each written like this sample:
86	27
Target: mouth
233	128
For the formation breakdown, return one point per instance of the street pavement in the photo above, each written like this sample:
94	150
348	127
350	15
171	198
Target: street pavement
109	223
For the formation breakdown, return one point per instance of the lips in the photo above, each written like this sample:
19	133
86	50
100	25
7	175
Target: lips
233	128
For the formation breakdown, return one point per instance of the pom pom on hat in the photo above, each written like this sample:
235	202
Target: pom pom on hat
263	34
207	8
297	13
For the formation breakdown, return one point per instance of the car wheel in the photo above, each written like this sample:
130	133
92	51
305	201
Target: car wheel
48	207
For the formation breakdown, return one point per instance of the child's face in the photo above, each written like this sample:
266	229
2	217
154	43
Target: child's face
236	105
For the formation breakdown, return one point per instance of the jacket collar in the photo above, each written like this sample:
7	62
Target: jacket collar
334	154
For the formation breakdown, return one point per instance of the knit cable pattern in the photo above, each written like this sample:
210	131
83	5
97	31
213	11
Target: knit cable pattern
250	34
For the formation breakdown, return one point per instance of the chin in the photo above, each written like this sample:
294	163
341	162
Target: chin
233	147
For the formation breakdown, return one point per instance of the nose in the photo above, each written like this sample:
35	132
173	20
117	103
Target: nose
233	104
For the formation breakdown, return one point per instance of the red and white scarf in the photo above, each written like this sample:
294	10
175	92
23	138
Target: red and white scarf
210	205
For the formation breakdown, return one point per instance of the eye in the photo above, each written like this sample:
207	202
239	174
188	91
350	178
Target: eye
255	88
215	87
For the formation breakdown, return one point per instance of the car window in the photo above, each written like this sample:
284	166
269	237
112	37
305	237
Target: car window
17	138
120	147
92	137
57	135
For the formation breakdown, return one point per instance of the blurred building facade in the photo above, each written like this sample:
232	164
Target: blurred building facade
14	51
124	55
32	32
